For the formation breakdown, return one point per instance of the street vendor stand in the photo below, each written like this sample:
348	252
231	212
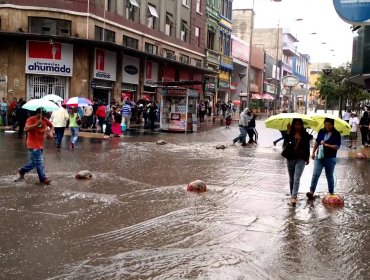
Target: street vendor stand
178	110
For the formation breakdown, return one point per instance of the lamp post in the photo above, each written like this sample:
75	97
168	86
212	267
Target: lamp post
327	72
338	81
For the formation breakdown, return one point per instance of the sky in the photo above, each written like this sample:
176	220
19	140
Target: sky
318	16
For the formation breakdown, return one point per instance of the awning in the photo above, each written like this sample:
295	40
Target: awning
186	25
256	96
153	11
267	96
134	3
170	18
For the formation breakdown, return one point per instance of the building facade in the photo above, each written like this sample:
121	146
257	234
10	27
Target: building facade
103	49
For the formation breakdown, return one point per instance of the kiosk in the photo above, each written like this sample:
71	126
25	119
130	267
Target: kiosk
178	111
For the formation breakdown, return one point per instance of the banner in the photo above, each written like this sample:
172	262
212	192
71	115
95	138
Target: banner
130	70
151	73
105	65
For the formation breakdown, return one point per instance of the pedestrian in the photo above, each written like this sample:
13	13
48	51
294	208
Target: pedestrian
251	130
152	115
347	116
74	125
228	120
88	116
108	122
59	120
328	140
243	124
36	127
117	120
297	153
126	113
354	123
210	106
202	110
364	128
282	132
100	114
4	112
224	109
21	117
12	111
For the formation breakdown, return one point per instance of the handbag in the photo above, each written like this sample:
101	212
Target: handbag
288	150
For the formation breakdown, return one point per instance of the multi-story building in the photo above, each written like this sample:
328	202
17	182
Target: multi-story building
100	49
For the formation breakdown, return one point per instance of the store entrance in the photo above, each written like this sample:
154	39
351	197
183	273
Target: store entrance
101	95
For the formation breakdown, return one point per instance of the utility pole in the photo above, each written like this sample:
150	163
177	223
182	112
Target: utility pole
327	71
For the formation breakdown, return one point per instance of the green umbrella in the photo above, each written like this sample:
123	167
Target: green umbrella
35	104
281	121
342	126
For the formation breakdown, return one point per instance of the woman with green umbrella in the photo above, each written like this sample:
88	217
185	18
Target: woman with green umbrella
328	141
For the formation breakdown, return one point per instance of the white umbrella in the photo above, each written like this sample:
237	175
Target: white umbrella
53	97
35	104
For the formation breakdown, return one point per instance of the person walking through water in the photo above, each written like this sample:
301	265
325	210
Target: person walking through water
243	124
329	140
297	144
364	128
59	120
36	128
73	124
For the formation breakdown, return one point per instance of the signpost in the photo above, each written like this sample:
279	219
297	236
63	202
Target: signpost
353	11
290	81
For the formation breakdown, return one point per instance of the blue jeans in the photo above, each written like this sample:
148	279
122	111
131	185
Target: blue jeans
329	165
242	136
74	134
37	161
295	170
59	131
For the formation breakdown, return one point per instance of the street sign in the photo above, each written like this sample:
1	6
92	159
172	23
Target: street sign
290	81
353	11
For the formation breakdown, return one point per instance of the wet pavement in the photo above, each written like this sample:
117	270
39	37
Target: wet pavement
135	219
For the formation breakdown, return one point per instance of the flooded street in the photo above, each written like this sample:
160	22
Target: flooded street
135	219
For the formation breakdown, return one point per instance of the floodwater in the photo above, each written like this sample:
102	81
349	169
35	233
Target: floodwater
135	219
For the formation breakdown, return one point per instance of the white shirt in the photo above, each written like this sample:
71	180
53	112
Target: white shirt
354	122
88	110
59	117
346	116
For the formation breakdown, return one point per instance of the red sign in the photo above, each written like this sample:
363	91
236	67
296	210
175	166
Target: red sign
147	97
45	50
148	70
100	56
126	95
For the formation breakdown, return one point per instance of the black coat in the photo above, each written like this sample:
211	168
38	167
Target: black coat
302	151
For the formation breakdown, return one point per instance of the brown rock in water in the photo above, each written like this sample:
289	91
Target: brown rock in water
161	142
83	174
333	200
220	147
197	186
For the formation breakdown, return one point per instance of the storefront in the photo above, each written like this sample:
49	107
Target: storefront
151	78
178	109
130	78
104	76
49	66
224	86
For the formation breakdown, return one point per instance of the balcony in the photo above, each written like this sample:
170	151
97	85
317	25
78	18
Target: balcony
213	57
289	49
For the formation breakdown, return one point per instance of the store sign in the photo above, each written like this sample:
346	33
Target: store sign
151	73
105	65
211	87
130	69
290	81
353	11
43	57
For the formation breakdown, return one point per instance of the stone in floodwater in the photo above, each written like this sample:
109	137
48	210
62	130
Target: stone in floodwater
333	200
220	147
197	186
161	142
361	156
83	174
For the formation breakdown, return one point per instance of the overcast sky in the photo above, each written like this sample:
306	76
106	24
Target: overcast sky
317	16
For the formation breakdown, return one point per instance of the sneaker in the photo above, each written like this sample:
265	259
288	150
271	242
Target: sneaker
274	143
233	144
244	144
59	146
72	145
46	181
349	147
293	202
21	176
309	195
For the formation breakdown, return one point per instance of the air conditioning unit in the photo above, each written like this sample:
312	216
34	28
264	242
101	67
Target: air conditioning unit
198	63
169	55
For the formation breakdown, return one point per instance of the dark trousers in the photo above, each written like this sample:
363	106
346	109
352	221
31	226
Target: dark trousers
59	131
101	122
21	129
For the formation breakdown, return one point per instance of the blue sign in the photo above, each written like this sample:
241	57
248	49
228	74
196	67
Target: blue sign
353	11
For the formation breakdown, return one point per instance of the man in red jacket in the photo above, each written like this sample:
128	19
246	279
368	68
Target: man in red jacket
36	128
100	114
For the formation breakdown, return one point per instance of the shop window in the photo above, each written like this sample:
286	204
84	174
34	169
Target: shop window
49	26
150	48
184	58
184	31
105	35
197	6
131	7
211	40
41	85
197	36
130	42
169	24
152	16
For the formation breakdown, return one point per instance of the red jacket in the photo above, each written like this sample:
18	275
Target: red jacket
100	113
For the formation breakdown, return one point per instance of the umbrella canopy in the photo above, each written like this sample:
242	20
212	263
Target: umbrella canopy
281	121
35	104
53	97
342	126
236	102
77	101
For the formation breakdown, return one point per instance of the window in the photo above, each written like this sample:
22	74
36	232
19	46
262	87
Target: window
197	6
169	24
211	40
197	34
226	9
150	48
130	9
169	54
185	2
41	85
184	31
196	62
184	58
152	15
104	35
49	26
130	42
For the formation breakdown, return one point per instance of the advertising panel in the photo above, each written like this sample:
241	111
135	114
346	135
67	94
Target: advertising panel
43	57
130	69
353	11
105	65
151	73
